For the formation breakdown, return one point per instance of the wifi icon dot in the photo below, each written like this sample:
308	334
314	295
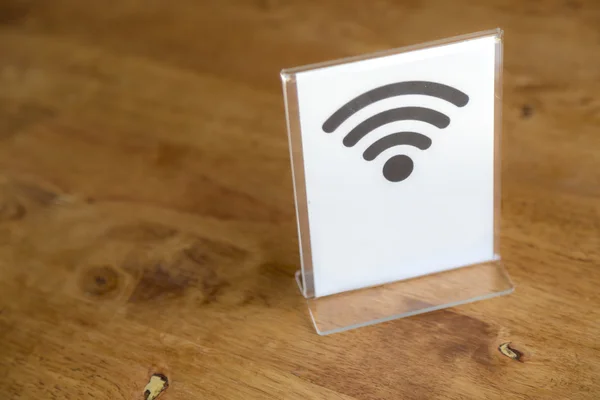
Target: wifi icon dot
398	167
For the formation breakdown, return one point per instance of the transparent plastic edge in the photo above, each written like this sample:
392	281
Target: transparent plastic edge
408	314
384	53
498	138
292	112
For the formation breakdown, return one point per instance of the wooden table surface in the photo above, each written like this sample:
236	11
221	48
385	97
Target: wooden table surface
147	222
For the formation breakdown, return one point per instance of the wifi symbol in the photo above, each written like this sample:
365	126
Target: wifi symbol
399	167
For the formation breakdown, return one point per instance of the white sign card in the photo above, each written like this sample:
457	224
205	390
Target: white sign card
398	164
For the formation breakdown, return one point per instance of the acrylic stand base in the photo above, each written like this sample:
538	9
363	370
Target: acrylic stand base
354	309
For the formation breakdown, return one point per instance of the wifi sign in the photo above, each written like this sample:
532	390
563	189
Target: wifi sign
398	167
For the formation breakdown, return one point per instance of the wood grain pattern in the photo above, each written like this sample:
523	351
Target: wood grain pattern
147	219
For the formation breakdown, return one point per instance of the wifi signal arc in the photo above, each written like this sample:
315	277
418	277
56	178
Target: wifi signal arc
428	115
414	139
433	89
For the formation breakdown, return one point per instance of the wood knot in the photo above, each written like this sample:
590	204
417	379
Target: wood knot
100	281
526	111
158	383
510	352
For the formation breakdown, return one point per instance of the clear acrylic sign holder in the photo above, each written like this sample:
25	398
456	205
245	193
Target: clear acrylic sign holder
410	290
